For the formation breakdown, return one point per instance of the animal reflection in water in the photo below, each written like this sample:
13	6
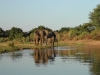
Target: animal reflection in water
44	56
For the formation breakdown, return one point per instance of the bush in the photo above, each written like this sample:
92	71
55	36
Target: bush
96	34
73	33
83	35
1	39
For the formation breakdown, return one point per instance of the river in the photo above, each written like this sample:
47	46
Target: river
62	60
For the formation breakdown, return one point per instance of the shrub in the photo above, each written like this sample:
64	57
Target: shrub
72	33
83	35
96	34
1	39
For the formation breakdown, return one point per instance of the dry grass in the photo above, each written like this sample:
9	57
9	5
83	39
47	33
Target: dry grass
4	47
85	42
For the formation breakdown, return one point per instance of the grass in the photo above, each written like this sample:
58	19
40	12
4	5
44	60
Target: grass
4	49
13	46
70	44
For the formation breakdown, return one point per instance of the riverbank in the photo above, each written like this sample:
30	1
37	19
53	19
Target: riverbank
10	46
82	42
4	47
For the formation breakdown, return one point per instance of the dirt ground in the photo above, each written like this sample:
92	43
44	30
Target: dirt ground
87	42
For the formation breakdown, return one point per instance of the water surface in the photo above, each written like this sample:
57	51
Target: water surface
58	61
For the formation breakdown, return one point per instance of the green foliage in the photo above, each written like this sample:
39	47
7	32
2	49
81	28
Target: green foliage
43	27
83	35
28	39
96	34
1	39
39	28
95	16
64	29
15	33
1	32
72	33
6	34
23	39
31	36
87	27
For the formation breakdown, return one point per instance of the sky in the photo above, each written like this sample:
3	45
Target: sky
54	14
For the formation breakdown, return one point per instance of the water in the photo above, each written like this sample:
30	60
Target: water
58	61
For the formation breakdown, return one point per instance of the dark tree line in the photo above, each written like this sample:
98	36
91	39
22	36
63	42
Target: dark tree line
4	33
17	33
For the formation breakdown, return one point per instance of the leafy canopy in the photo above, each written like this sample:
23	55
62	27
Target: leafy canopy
95	16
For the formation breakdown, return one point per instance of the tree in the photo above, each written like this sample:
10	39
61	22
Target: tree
1	32
15	33
41	27
88	27
64	29
95	16
6	34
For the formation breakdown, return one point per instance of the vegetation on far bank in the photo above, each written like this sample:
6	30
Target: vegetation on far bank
19	39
